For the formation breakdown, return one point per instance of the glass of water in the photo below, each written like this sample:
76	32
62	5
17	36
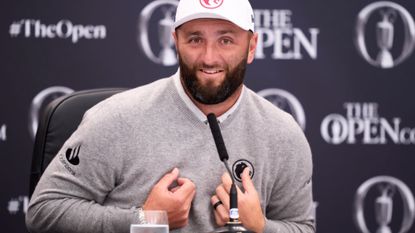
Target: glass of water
155	221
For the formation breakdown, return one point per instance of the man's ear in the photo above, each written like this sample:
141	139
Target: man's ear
174	34
252	47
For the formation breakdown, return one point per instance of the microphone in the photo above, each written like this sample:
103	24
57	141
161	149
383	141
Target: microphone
217	136
234	225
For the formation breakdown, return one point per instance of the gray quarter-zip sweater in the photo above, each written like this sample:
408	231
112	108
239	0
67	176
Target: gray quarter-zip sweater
126	143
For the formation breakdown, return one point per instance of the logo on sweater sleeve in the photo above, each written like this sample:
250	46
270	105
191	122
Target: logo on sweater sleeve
72	155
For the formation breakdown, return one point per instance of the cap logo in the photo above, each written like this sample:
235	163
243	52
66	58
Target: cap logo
211	4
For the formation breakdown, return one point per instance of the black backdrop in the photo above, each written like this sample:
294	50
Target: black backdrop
359	116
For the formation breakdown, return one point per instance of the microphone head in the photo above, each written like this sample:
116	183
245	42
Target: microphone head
212	118
217	136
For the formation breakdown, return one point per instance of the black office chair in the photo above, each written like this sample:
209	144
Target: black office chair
59	120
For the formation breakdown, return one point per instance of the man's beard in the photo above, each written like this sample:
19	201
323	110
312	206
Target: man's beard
212	95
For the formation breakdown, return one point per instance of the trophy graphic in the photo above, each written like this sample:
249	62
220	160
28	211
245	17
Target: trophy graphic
390	12
384	207
287	102
389	188
385	33
167	54
39	103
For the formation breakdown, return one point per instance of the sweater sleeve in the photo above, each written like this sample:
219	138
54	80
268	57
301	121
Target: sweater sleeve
290	208
71	193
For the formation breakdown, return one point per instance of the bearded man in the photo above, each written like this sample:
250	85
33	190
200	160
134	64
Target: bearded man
151	148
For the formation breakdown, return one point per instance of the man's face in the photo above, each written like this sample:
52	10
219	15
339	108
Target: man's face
212	56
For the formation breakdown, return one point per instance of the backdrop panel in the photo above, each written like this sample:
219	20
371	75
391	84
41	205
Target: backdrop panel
343	69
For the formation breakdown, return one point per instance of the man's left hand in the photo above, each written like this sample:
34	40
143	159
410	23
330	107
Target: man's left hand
250	212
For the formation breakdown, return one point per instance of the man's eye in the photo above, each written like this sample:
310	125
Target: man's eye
195	40
226	41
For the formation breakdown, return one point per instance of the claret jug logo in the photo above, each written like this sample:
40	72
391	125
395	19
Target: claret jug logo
389	17
40	101
287	102
163	12
211	4
388	190
3	132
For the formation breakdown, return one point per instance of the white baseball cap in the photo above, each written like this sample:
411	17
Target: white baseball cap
238	12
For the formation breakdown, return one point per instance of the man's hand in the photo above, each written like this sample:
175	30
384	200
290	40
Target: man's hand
176	202
250	212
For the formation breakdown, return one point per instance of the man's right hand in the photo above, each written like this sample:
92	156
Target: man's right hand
176	201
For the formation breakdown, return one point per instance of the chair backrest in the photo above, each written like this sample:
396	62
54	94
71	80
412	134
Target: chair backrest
59	120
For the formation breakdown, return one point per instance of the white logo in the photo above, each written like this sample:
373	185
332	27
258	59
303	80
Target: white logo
19	204
234	213
287	102
276	35
39	101
363	123
3	133
387	188
64	29
164	40
211	4
387	16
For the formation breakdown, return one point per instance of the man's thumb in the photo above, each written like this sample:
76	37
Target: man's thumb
169	178
246	181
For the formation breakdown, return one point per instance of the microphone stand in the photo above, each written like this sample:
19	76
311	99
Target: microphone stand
234	225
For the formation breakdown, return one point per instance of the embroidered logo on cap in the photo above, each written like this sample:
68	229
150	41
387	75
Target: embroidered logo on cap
211	4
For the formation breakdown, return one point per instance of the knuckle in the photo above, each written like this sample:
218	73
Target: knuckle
157	188
192	185
183	211
224	175
179	200
213	199
186	215
219	188
223	216
183	220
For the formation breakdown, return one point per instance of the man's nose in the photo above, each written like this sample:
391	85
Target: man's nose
211	54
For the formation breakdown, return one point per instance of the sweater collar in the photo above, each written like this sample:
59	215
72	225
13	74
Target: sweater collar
193	108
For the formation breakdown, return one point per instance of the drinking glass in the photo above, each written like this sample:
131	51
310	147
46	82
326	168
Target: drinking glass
156	221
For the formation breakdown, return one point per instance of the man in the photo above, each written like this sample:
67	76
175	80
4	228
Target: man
150	148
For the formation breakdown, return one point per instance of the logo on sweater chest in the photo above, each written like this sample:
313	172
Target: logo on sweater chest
239	166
